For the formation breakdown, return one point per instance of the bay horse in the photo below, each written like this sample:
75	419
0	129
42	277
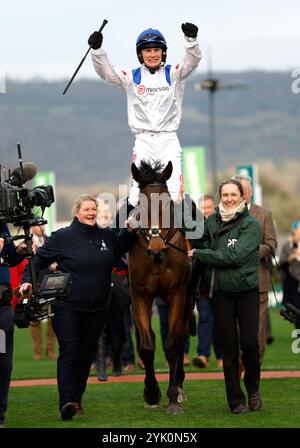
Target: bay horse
157	268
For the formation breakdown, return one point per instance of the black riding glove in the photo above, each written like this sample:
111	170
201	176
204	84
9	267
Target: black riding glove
95	40
189	29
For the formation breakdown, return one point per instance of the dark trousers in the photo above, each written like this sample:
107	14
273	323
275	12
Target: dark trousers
128	348
77	333
120	322
6	354
207	332
242	309
120	302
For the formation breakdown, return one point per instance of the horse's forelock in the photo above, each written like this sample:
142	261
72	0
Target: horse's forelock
150	174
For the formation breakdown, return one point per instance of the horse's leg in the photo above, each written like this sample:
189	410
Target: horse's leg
142	316
178	332
188	311
174	350
180	375
173	356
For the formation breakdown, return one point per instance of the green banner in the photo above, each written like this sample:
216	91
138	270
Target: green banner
194	171
46	178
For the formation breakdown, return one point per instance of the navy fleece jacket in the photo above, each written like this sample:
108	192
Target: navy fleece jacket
87	253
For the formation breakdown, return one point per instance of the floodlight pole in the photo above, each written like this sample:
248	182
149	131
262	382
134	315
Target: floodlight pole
213	85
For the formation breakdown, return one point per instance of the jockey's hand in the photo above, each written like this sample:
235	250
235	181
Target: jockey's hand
189	29
95	40
191	252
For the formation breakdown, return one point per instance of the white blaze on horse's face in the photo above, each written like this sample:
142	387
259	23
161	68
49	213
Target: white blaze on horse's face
157	247
155	209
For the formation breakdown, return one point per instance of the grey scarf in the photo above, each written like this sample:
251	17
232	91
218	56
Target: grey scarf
228	215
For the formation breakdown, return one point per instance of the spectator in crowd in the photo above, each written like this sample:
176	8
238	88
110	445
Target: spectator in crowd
39	237
16	273
267	247
86	252
289	263
10	255
230	248
207	332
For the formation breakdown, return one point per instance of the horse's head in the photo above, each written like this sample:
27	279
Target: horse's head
155	205
148	174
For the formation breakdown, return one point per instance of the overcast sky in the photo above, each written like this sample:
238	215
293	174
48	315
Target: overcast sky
48	38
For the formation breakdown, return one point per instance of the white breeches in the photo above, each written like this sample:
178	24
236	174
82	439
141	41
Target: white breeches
158	147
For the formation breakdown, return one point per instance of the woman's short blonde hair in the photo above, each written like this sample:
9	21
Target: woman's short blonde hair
78	202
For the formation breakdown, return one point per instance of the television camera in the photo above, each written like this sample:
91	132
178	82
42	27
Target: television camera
17	202
36	307
290	312
16	207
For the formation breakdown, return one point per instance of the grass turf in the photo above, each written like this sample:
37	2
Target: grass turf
120	405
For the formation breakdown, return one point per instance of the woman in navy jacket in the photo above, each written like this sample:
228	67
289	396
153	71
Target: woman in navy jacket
86	252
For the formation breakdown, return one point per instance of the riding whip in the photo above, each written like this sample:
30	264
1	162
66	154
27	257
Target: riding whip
83	59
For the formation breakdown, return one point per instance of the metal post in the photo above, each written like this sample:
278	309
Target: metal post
212	85
212	129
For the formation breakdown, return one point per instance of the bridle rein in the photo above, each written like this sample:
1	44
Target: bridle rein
169	238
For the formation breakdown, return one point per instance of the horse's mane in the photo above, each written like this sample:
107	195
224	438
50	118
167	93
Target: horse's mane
150	174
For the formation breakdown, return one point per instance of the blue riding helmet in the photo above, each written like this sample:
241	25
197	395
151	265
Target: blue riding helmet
151	38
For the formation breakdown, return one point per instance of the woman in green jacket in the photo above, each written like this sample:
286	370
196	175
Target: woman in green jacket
230	250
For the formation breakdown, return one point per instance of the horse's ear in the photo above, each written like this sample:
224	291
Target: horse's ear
135	173
167	172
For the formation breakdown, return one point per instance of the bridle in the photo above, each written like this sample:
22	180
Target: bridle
147	234
168	239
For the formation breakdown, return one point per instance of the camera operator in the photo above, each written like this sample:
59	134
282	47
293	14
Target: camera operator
289	264
10	256
85	251
39	237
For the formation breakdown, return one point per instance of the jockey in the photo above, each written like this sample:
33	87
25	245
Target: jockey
154	99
